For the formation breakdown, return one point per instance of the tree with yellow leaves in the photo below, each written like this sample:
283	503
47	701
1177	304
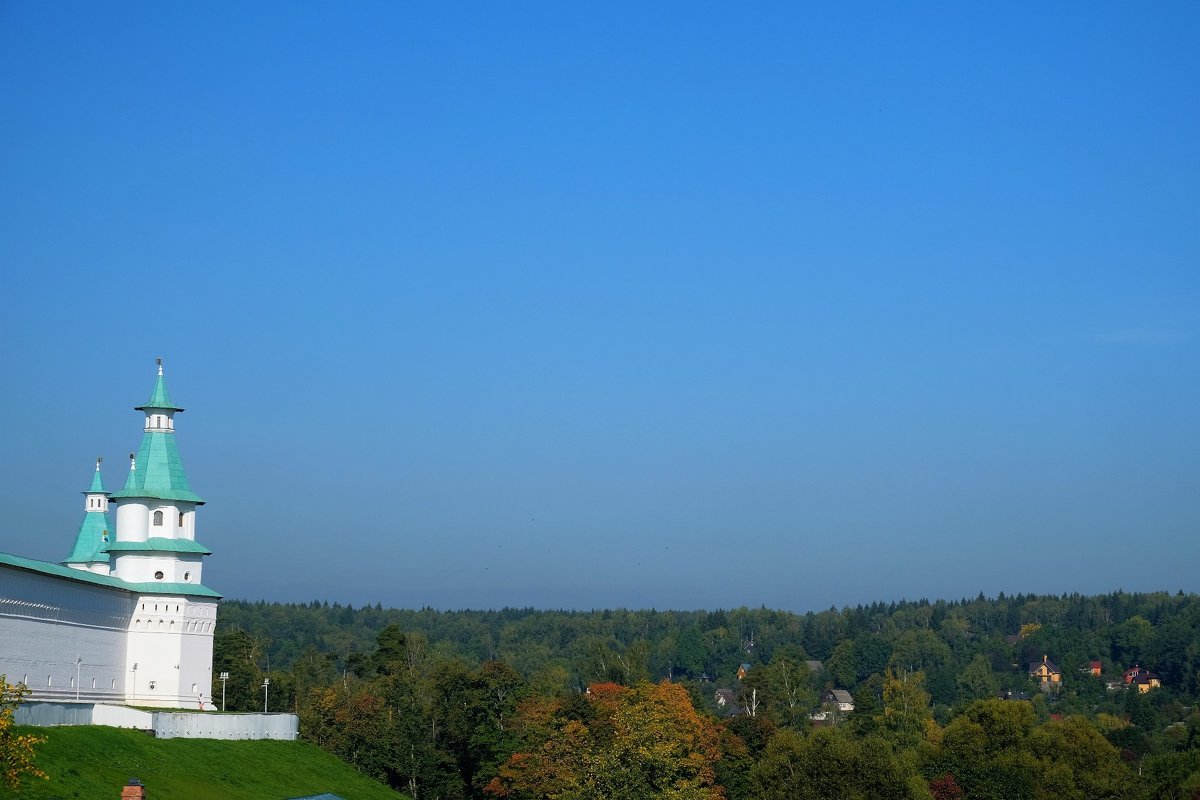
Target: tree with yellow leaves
644	742
16	749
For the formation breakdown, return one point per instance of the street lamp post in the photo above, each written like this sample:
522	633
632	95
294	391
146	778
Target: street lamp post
224	677
266	683
78	664
133	696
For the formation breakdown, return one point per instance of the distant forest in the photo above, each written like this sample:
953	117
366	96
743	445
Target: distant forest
475	704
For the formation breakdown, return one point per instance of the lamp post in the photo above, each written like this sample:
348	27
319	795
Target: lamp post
133	696
266	683
78	664
224	677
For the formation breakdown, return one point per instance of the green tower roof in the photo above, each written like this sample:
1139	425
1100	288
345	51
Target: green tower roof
160	544
159	398
92	540
157	471
97	486
94	532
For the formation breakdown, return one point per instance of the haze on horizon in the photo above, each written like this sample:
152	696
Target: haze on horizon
609	305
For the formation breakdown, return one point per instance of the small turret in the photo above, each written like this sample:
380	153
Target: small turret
91	544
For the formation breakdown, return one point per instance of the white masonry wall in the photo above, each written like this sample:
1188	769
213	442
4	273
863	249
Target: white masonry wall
46	623
169	658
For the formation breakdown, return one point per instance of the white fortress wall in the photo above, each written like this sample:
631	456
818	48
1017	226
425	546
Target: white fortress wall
53	630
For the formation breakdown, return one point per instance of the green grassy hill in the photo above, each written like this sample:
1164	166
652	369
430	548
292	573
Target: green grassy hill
93	762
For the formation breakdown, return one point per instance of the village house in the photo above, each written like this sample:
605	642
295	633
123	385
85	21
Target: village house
727	702
1141	679
1146	681
840	699
1046	673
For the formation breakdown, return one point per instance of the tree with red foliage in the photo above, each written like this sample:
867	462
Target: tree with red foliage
945	788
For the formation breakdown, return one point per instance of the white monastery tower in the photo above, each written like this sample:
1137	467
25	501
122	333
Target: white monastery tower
125	616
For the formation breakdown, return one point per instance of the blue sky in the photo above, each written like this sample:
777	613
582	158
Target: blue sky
596	305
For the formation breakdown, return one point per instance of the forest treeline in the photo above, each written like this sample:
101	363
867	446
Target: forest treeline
521	703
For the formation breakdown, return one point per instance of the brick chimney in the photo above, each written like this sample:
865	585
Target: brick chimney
133	790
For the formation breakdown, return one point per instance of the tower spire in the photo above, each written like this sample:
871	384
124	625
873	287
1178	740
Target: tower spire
97	486
159	408
156	471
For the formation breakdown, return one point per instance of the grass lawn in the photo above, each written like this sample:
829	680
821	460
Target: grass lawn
94	762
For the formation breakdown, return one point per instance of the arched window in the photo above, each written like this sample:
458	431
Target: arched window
181	519
114	683
158	519
93	683
49	680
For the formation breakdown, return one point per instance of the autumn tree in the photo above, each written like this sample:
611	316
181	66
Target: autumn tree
16	749
636	743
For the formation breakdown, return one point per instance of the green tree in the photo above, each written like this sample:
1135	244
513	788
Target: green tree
1074	754
1131	640
842	665
905	707
985	750
693	654
790	689
1171	776
831	764
242	655
976	681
